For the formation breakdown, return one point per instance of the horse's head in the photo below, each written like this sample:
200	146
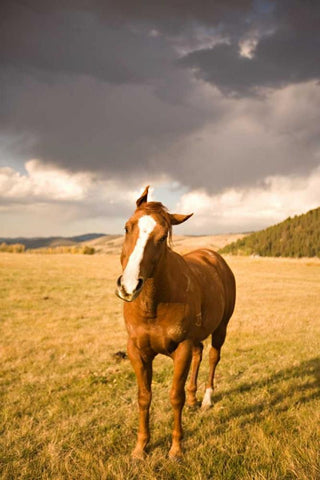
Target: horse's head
144	245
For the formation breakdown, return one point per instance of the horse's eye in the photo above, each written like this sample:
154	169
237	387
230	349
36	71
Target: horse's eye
164	238
126	229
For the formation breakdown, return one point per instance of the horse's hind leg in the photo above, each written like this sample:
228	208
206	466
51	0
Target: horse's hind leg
217	341
192	385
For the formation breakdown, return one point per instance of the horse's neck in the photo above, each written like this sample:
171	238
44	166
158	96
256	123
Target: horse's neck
151	293
148	298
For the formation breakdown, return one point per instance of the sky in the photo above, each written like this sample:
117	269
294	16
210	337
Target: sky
213	104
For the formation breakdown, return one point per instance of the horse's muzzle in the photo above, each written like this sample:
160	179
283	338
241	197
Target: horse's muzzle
124	295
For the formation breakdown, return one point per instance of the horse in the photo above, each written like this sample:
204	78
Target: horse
172	303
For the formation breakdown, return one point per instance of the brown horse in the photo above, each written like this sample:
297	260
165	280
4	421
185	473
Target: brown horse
172	303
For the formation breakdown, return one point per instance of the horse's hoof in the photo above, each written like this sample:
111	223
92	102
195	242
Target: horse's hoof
138	455
193	406
176	458
175	455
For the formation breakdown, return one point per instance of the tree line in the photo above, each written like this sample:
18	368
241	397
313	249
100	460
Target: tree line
298	236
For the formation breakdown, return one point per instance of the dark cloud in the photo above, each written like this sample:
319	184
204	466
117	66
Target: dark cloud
92	96
167	13
88	125
112	87
77	43
252	142
279	60
289	53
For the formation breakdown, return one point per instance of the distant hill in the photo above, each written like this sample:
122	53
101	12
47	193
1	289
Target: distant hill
41	242
295	237
112	244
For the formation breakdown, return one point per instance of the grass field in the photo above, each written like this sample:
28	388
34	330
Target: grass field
69	408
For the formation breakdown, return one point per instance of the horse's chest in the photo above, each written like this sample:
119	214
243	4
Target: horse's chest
162	334
166	338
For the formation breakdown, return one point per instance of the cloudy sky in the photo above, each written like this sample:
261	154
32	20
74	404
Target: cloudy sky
214	104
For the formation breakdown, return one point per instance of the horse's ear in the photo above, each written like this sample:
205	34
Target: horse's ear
176	218
143	198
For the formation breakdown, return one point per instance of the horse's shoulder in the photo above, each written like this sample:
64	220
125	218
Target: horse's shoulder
205	259
202	254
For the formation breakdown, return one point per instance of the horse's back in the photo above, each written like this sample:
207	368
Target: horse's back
213	274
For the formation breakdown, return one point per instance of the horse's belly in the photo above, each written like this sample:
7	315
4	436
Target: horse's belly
210	315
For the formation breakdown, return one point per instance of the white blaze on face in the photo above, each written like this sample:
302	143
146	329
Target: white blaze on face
130	275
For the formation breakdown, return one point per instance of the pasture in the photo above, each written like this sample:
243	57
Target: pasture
69	406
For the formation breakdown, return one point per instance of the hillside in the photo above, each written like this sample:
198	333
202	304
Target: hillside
112	244
294	237
41	242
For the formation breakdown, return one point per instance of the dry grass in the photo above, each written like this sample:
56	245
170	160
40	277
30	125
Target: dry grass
69	409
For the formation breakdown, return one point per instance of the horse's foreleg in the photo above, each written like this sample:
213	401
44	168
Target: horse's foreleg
192	386
143	370
181	360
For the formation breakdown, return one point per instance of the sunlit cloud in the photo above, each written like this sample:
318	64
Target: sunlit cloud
42	182
240	209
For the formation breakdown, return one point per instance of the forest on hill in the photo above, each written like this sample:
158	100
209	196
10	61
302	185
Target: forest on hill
297	236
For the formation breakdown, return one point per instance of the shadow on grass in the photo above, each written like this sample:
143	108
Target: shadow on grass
288	388
285	389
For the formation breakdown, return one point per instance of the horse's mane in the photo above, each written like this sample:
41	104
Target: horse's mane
160	209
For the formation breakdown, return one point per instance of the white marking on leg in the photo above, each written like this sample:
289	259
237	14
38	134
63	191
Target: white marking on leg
130	275
206	402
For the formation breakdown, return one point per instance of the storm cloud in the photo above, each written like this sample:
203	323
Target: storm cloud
207	95
286	54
